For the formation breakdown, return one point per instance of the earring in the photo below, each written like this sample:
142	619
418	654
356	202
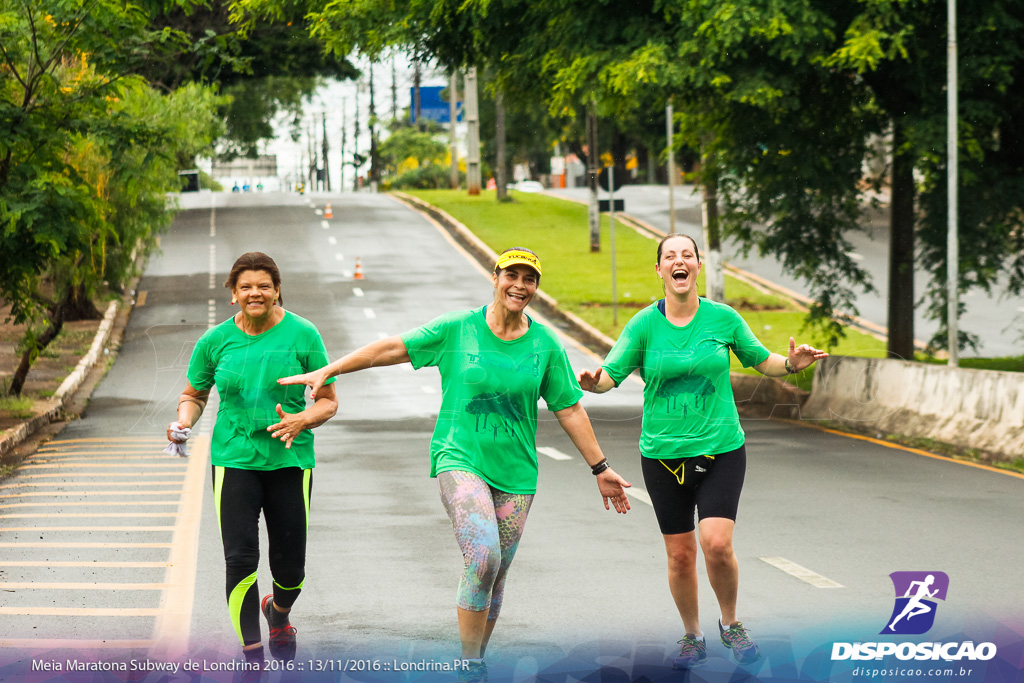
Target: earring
233	301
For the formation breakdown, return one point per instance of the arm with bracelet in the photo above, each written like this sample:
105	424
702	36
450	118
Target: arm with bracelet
191	404
576	423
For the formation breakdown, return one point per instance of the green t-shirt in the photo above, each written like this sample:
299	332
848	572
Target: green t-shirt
490	389
689	408
245	368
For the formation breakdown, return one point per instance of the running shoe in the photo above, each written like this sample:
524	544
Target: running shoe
693	651
474	672
736	638
282	636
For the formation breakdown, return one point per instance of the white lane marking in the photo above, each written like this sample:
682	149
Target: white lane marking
213	265
332	240
1020	309
319	212
637	493
346	273
802	573
428	390
324	224
211	313
383	335
213	219
357	291
339	256
553	453
368	312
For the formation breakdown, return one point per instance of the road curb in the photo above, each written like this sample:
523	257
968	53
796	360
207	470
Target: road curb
755	395
15	437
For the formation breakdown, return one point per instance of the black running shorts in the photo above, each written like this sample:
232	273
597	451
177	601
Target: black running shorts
709	484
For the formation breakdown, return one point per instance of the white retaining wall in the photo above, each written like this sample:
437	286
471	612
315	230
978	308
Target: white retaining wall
969	408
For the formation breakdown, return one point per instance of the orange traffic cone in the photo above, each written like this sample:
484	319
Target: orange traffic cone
328	213
358	275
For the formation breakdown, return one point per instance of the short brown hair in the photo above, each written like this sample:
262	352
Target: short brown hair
254	260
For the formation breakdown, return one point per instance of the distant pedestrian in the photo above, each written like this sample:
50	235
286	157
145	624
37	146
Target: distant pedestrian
495	363
691	442
262	449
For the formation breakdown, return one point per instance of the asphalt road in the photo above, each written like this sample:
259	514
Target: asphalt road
111	550
998	321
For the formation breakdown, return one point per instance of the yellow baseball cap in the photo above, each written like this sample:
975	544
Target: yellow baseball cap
514	256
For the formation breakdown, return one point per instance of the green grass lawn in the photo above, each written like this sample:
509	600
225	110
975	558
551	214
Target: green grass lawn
581	280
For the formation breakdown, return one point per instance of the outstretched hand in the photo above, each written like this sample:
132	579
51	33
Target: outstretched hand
803	356
315	380
290	426
589	380
613	489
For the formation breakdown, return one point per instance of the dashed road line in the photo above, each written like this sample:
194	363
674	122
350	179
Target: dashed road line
802	573
357	291
553	453
332	240
325	225
368	312
637	493
426	389
29	585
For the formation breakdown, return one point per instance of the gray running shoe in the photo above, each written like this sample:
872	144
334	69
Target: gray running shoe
475	672
737	639
693	651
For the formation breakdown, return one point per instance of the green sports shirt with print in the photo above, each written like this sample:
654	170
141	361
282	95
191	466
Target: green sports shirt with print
490	389
245	369
689	408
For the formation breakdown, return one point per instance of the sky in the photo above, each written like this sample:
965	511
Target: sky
338	101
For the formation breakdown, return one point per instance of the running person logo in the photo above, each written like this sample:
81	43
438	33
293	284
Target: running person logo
916	593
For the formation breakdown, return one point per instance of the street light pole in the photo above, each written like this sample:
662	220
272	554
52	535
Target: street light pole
671	169
952	162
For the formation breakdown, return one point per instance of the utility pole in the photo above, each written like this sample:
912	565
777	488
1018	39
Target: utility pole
453	112
472	135
394	91
311	171
355	144
670	129
374	170
952	176
341	180
327	172
593	168
416	96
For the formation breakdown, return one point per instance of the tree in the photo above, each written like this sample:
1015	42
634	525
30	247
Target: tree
86	158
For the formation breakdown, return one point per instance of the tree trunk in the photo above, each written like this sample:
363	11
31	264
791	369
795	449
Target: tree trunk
901	250
80	307
714	278
32	352
500	172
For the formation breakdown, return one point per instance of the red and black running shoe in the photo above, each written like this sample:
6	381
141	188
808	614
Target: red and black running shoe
282	633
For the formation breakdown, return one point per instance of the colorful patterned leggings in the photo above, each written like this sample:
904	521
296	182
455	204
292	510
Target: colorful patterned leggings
488	524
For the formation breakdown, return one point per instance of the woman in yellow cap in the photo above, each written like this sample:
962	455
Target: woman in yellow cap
495	363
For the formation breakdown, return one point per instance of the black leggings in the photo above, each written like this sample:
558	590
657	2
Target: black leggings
283	496
709	483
